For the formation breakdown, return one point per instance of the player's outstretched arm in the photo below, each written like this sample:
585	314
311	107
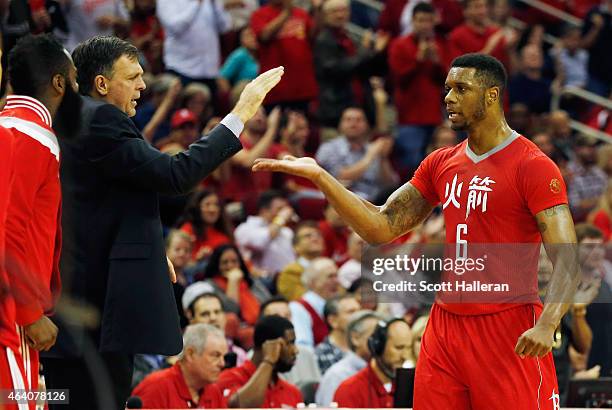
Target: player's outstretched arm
559	236
404	210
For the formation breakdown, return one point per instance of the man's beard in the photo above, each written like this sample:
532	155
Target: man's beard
67	121
283	367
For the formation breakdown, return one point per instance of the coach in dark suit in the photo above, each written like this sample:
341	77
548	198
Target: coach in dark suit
113	256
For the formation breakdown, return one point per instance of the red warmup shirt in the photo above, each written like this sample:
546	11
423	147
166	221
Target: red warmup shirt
8	333
364	390
280	395
417	81
465	39
33	231
166	389
335	242
291	48
492	199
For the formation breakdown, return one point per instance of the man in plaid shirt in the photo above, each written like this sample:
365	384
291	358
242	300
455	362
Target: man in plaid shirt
336	312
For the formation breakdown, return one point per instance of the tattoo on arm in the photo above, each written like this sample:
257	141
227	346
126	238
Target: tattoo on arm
405	209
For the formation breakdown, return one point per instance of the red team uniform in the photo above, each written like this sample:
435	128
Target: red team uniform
467	358
12	375
33	236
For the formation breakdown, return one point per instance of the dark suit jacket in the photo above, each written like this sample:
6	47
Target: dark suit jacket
113	256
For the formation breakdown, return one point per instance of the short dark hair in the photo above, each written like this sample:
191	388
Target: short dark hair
270	328
332	305
488	69
265	199
273	299
205	295
423	8
33	63
97	56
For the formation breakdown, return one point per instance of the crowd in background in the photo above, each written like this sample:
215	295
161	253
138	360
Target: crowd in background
368	108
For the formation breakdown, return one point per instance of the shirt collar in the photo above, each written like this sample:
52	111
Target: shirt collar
31	104
316	301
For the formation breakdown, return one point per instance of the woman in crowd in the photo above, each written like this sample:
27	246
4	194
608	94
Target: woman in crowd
205	222
231	278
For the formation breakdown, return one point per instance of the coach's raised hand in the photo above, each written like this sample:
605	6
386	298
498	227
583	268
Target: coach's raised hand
254	93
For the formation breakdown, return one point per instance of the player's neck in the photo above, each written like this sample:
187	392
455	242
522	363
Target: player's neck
488	134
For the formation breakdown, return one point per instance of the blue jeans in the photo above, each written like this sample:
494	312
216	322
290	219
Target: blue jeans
411	142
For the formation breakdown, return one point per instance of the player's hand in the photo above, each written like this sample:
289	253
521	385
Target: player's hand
41	334
535	342
254	93
171	271
597	20
303	167
272	349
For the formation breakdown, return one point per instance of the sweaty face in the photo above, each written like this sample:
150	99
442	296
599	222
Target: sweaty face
67	121
210	209
465	98
208	310
125	85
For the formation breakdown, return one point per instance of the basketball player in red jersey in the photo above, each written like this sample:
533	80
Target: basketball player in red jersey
12	373
476	356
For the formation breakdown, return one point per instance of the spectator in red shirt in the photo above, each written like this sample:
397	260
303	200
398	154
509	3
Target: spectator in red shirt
477	35
147	34
230	277
418	64
601	216
190	382
335	235
256	383
206	223
257	142
372	387
284	33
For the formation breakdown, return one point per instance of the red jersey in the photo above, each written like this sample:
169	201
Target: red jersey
417	81
493	199
167	389
33	233
364	390
8	333
281	394
291	48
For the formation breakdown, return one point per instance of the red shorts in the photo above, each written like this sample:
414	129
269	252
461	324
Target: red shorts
12	378
468	362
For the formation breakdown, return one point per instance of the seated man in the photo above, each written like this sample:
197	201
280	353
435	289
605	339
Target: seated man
308	245
361	325
206	307
321	282
390	346
190	382
256	383
337	312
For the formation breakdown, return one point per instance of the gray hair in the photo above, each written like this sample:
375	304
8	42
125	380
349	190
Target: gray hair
313	270
196	336
356	324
